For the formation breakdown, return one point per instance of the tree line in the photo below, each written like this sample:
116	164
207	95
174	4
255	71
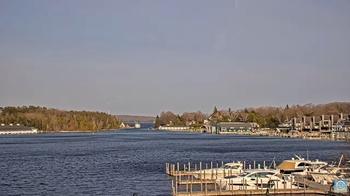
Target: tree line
269	117
193	119
47	119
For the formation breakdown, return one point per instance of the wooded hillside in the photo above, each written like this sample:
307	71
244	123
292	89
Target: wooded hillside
46	119
272	116
265	116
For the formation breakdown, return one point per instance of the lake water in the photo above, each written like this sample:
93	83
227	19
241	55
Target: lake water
130	161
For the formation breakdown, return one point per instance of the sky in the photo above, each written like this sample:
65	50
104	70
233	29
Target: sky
144	57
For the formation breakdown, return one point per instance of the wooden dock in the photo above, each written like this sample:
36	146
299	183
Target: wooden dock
188	181
254	192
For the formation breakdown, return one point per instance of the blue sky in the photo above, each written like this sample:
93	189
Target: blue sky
144	57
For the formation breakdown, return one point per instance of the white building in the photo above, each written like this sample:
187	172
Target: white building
16	129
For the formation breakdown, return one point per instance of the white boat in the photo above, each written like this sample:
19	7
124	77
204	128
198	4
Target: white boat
229	169
255	179
328	174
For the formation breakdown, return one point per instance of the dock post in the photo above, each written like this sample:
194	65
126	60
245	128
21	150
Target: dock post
291	186
166	168
169	168
178	166
244	165
189	166
254	164
172	187
215	188
186	178
200	175
212	172
175	185
264	165
191	184
200	178
204	179
231	185
172	169
204	176
258	165
206	188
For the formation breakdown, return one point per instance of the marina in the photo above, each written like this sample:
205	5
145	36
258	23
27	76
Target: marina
296	176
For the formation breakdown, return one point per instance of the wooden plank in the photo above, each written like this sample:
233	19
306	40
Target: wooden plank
312	184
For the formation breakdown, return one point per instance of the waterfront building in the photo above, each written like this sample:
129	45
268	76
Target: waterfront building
225	127
16	129
285	127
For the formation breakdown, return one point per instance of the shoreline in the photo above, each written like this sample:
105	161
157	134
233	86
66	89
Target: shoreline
305	135
81	131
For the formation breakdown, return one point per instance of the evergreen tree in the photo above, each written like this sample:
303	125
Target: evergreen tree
215	110
287	107
157	122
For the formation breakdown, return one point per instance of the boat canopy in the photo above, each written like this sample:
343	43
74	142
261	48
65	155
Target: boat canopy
287	165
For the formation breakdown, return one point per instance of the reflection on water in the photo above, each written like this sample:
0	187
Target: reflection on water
130	161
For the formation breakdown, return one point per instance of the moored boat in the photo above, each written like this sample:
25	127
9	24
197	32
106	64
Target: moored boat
255	179
300	166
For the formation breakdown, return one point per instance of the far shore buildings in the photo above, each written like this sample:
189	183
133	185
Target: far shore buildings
323	123
16	129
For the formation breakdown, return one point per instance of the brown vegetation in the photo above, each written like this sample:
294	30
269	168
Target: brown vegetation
265	116
46	119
